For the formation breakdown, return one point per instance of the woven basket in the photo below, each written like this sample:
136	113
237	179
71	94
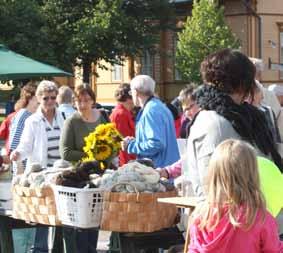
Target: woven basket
35	205
137	212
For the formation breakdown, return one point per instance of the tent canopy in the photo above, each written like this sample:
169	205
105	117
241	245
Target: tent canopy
15	66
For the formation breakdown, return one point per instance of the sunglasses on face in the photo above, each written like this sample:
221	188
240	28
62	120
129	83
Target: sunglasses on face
49	98
188	108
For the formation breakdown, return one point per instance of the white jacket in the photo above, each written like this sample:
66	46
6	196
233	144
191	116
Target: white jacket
33	143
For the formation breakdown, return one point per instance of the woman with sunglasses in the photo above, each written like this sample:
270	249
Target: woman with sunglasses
40	142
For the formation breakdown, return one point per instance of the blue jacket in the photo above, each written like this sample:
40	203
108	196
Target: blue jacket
155	135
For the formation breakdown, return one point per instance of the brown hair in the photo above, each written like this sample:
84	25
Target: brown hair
122	92
27	93
230	71
232	183
84	89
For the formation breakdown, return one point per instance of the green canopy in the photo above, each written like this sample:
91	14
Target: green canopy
15	66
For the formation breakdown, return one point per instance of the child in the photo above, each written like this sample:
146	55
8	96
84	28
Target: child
233	217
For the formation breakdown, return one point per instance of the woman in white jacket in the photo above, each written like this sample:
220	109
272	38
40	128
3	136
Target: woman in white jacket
40	142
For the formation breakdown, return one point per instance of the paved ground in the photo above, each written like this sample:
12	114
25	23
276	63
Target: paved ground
103	241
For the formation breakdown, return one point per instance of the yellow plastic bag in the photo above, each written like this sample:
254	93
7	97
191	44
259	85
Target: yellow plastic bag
271	181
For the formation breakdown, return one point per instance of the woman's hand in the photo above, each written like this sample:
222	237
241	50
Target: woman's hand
162	172
15	155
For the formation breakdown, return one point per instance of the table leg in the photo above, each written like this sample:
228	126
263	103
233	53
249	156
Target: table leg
6	238
187	241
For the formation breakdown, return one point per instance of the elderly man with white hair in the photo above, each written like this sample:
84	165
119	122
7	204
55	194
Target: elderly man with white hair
155	136
65	101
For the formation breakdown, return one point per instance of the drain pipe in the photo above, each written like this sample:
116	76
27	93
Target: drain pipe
249	7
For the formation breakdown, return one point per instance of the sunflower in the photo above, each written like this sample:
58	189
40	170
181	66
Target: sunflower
103	152
103	143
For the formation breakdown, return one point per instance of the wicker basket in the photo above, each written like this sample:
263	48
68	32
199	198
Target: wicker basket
137	212
35	205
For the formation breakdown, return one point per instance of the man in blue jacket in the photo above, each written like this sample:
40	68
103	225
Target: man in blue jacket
155	136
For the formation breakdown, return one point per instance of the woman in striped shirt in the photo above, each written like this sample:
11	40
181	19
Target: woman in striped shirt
29	104
40	142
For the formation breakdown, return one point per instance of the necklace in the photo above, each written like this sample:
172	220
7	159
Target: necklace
89	118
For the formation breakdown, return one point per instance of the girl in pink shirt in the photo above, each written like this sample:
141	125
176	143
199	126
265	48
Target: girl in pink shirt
233	218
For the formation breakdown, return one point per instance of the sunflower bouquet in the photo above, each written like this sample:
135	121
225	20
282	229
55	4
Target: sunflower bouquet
102	144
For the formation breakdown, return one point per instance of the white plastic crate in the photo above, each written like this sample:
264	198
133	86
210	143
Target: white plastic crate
79	207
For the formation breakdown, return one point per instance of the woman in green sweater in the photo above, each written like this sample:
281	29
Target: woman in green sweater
75	129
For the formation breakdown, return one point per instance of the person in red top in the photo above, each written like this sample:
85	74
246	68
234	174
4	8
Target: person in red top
123	117
5	127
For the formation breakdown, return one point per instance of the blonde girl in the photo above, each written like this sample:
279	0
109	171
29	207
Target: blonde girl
233	217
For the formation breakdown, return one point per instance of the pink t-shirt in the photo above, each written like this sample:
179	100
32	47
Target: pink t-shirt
262	237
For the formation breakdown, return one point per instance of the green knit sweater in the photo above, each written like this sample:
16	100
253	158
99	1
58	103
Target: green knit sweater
72	137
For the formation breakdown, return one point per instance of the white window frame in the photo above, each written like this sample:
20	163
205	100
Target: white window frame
177	75
147	63
117	72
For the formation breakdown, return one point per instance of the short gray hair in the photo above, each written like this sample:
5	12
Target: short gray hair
143	84
259	65
65	95
46	86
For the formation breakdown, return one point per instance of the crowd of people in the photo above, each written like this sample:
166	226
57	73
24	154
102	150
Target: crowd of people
228	121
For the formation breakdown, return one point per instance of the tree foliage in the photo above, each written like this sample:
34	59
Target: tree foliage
22	29
204	32
69	32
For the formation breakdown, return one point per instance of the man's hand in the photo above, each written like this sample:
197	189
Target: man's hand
125	142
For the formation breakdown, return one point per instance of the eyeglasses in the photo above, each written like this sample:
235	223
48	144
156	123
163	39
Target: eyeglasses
188	108
49	98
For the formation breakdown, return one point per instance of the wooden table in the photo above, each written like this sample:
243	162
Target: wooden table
183	202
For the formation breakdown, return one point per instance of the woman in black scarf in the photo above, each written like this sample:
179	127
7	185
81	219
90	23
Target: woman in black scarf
229	78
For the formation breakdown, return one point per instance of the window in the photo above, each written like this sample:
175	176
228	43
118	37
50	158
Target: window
281	53
147	64
117	72
177	75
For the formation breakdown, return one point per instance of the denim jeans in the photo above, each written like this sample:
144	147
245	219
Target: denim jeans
80	240
23	239
41	240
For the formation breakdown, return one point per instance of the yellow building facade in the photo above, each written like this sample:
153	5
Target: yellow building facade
257	23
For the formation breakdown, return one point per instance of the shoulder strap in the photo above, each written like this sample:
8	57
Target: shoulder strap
63	115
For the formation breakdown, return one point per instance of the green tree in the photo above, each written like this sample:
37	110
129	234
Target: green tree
204	32
22	29
91	30
66	33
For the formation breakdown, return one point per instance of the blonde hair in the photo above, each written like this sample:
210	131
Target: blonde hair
232	185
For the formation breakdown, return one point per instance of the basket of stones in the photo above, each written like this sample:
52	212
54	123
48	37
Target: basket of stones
130	200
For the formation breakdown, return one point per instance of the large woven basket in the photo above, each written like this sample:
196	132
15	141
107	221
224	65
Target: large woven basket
137	212
35	205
